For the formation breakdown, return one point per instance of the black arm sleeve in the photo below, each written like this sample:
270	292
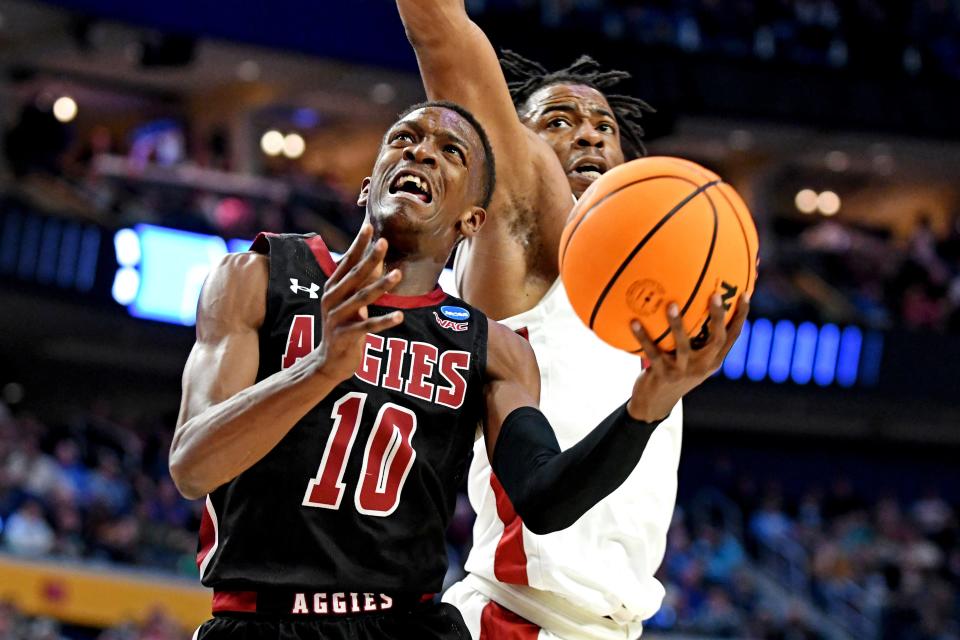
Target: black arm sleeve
551	489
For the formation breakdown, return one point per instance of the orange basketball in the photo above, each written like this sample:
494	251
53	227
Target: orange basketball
650	232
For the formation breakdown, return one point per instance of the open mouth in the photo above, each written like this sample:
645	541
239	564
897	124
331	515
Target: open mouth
406	182
590	168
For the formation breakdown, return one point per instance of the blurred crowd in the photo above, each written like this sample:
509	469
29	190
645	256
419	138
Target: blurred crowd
711	592
874	36
838	272
158	173
15	625
881	568
95	489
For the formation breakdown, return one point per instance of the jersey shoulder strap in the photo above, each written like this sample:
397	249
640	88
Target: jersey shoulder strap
299	247
299	265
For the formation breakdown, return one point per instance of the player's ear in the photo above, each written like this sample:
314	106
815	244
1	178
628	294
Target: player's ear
471	221
364	192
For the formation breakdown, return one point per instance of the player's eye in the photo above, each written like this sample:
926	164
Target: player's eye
454	150
606	127
558	123
401	136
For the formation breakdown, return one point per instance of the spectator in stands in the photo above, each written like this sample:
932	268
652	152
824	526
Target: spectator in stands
29	467
108	488
770	523
721	553
167	507
27	532
73	474
43	629
719	617
932	513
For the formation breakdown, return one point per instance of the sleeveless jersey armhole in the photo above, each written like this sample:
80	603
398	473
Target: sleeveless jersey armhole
261	245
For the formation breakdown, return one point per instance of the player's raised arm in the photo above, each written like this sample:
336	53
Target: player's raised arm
227	423
551	489
458	63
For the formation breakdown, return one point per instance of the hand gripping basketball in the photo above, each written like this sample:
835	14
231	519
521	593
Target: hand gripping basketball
354	285
652	231
671	376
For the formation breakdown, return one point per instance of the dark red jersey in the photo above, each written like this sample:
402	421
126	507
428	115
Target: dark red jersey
358	495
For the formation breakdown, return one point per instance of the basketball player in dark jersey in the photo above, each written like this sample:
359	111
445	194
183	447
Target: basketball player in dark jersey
329	410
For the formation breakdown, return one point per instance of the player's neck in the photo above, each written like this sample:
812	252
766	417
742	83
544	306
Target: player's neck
420	275
504	272
493	275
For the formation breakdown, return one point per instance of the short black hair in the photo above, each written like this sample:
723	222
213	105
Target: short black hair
489	163
525	77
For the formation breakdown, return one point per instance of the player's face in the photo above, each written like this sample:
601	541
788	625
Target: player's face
427	181
579	124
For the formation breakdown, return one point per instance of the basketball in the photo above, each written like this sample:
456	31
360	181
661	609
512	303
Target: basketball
650	232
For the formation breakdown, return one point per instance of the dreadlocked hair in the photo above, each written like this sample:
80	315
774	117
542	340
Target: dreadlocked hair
525	77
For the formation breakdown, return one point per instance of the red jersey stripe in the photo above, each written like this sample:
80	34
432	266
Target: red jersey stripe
319	249
510	558
411	302
235	601
497	623
208	537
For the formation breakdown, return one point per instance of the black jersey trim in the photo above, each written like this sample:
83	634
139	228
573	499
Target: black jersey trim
480	348
261	245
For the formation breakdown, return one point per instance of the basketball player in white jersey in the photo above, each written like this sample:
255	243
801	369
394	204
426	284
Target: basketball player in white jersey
596	578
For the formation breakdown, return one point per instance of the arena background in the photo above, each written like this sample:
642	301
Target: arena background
819	484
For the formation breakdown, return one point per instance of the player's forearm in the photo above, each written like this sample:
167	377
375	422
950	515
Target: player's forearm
228	438
551	489
432	22
451	50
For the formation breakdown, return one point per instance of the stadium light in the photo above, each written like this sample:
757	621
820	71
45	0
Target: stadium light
828	203
126	243
294	145
65	109
272	143
126	286
806	201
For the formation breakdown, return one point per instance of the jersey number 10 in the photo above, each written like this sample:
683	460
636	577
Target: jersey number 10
387	459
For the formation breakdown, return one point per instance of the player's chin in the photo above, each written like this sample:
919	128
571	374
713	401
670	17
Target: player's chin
579	182
409	206
404	214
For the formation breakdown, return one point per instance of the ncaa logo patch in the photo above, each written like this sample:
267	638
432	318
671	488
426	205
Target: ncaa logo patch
455	313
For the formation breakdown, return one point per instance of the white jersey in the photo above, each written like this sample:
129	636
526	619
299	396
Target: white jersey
600	569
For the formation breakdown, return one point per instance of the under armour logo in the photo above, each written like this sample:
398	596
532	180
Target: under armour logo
312	289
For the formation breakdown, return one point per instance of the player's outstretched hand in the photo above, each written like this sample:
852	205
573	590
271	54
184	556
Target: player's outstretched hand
671	376
357	281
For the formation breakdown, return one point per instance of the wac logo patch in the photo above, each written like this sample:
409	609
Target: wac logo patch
446	323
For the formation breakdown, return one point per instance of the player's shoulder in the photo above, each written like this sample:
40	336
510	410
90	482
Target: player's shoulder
506	348
243	267
234	294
